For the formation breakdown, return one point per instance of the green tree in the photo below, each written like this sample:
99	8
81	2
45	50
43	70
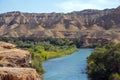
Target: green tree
104	61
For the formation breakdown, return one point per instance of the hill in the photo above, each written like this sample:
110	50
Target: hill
87	24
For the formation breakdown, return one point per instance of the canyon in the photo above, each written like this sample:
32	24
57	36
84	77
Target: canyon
89	25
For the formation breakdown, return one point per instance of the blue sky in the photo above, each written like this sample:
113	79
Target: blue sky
47	6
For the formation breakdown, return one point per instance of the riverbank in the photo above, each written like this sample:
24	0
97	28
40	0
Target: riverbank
39	54
103	63
43	50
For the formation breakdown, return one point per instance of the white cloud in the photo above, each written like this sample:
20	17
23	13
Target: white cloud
72	5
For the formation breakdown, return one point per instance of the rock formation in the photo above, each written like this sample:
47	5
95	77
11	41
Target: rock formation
93	23
7	73
15	64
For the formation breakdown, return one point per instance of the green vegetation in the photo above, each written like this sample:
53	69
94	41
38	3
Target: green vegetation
104	63
44	49
114	76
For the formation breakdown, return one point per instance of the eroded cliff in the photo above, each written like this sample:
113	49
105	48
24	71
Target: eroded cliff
101	24
15	64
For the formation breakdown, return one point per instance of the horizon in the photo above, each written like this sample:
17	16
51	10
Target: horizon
57	12
58	6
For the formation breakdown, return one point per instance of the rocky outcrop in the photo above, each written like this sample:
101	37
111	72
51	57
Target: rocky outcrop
15	64
18	74
14	58
5	45
94	23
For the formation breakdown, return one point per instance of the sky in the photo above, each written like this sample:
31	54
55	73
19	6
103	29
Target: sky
48	6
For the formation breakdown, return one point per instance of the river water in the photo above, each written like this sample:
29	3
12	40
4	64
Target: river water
71	67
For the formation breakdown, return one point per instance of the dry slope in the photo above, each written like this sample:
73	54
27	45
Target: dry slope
93	23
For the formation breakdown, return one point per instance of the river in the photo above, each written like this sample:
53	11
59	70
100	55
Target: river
70	67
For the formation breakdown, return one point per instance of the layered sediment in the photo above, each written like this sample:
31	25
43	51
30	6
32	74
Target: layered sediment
15	64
